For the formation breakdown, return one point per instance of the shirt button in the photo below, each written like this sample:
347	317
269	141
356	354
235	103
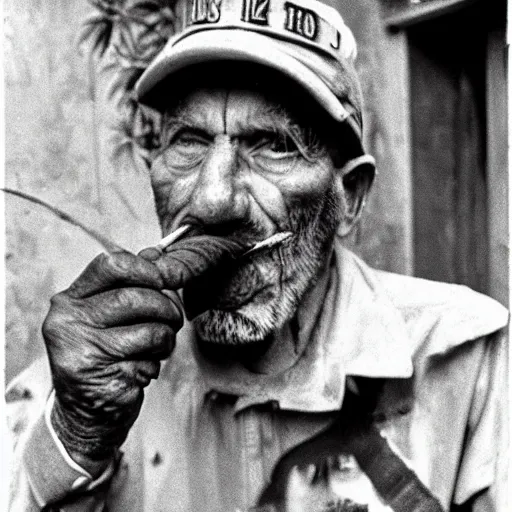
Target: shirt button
156	460
81	481
213	395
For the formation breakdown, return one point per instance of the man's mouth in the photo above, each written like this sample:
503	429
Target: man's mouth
234	284
253	248
247	279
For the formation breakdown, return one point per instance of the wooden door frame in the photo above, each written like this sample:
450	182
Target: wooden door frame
399	15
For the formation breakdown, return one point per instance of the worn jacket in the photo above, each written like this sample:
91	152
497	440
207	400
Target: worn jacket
209	434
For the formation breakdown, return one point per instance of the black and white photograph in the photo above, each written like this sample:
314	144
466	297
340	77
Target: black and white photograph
256	256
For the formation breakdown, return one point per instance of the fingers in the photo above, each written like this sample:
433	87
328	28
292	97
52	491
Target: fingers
123	306
183	261
148	341
82	333
107	271
189	258
82	351
140	372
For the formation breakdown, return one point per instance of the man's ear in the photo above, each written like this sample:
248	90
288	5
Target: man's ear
355	180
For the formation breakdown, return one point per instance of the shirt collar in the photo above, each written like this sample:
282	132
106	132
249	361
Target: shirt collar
358	332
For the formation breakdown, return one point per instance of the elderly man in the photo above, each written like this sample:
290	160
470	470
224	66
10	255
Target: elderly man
302	380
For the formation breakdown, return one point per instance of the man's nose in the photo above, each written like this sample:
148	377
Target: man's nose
219	196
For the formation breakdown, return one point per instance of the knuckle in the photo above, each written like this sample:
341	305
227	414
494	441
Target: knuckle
68	339
58	319
59	300
64	310
100	262
126	263
119	261
50	328
116	265
101	259
124	298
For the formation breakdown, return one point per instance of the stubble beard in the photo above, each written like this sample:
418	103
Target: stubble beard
278	280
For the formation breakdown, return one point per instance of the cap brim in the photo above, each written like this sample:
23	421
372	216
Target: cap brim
237	45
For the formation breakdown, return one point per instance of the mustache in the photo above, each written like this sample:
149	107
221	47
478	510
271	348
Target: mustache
245	232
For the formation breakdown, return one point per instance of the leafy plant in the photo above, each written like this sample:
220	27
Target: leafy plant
129	33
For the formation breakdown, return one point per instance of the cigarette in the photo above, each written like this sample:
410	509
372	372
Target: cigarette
172	237
269	242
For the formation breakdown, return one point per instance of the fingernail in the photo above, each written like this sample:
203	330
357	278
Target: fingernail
151	253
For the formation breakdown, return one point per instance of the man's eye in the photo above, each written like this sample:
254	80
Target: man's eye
185	150
274	153
188	142
276	146
283	145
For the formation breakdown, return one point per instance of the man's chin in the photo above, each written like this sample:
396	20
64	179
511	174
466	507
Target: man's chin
231	328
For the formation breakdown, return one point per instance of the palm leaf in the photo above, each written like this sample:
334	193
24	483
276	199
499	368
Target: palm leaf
98	29
108	7
125	80
107	244
136	31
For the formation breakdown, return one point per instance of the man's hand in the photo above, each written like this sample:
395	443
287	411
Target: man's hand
106	335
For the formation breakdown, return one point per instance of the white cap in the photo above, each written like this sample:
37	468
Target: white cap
305	40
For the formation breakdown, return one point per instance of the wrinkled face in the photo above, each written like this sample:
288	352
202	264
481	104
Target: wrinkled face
241	165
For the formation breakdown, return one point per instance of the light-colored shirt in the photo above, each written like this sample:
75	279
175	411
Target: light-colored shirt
209	434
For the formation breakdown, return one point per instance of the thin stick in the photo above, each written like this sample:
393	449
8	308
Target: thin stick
107	244
269	242
172	237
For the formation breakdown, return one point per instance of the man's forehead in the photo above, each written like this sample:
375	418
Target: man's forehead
230	109
258	98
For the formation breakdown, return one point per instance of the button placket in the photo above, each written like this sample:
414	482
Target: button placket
253	453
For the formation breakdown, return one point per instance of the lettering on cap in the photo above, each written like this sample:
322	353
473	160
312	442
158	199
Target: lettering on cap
256	11
308	20
301	21
336	45
205	11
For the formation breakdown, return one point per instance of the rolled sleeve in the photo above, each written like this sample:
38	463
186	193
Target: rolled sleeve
52	473
43	475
